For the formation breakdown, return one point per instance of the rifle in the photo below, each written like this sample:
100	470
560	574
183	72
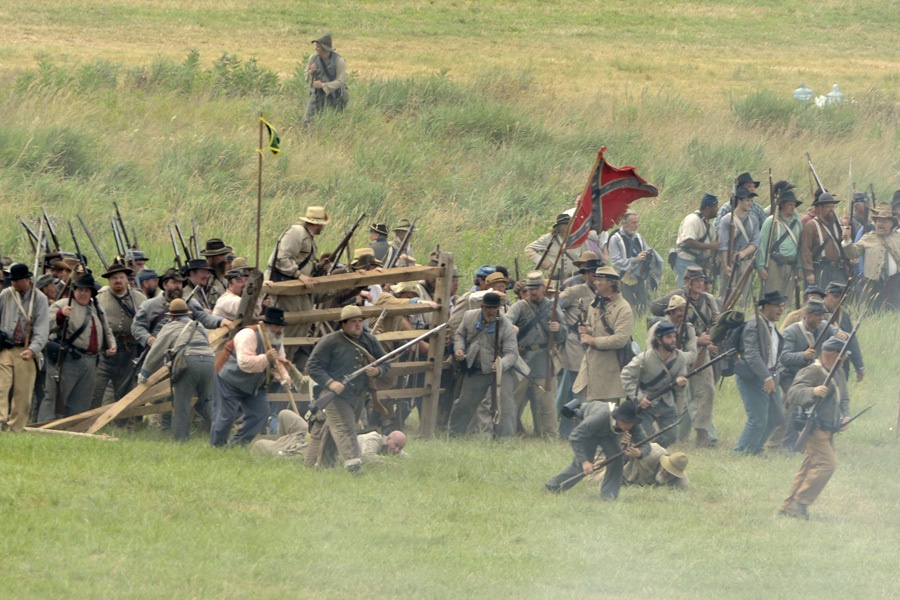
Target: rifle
327	395
669	386
175	247
844	258
851	195
81	256
342	246
122	229
516	263
731	300
134	237
800	446
50	229
872	192
855	417
733	202
834	314
267	345
195	237
774	213
60	405
403	243
599	465
29	318
94	243
551	336
32	236
121	249
495	406
378	321
184	247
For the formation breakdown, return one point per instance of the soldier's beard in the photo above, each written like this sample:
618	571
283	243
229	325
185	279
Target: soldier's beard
172	294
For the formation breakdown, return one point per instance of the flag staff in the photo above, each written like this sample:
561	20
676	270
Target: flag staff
259	188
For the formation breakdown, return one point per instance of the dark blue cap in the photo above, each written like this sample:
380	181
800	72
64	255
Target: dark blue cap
708	200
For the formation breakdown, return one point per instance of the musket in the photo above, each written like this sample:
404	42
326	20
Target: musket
551	336
378	321
731	300
731	259
800	446
122	229
851	195
29	318
94	244
195	237
599	465
546	251
815	175
50	229
855	417
874	201
81	256
495	405
844	258
326	396
134	238
774	213
402	246
342	246
120	244
267	345
516	264
834	315
32	236
175	246
184	247
60	404
669	386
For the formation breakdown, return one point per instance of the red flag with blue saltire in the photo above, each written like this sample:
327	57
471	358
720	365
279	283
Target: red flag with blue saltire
606	196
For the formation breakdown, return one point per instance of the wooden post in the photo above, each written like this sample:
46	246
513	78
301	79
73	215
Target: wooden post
428	421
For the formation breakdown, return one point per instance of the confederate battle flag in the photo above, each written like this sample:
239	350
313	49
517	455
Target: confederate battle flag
605	199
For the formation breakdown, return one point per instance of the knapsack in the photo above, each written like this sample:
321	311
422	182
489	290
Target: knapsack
726	333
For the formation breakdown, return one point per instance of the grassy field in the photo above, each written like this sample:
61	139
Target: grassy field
481	119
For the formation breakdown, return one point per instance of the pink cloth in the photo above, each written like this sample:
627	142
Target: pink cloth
249	361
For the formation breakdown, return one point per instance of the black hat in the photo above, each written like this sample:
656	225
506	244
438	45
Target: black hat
491	300
572	409
746	178
742	193
814	290
197	264
835	288
562	219
861	197
171	274
274	316
379	228
133	255
788	196
86	281
664	328
117	267
825	198
773	297
782	186
216	247
19	271
626	412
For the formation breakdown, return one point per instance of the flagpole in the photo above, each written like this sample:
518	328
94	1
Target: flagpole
565	240
259	189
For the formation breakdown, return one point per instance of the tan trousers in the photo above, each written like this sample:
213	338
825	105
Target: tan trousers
780	279
817	468
543	406
337	433
16	375
700	396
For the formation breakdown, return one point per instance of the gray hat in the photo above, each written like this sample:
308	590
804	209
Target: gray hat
535	279
325	40
45	280
815	306
833	344
825	198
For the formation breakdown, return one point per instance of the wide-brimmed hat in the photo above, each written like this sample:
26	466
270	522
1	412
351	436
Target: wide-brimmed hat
171	274
675	464
379	228
364	257
117	267
216	247
69	264
496	277
606	272
788	196
825	198
316	215
325	40
562	219
588	260
408	287
815	306
773	297
19	271
744	178
45	280
197	264
883	211
178	308
403	225
626	412
491	300
676	301
351	311
274	316
145	274
133	255
743	192
534	279
240	263
86	281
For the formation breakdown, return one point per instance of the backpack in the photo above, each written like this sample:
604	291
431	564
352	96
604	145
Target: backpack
726	333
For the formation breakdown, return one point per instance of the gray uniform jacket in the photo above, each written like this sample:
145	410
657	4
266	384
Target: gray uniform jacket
536	249
597	424
151	317
536	339
687	338
174	335
574	302
336	356
646	373
797	339
120	313
79	315
292	250
11	315
751	227
833	407
477	341
755	358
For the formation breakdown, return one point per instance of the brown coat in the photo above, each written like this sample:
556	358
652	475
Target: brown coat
599	373
875	248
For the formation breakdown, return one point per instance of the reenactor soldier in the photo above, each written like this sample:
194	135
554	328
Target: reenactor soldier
880	250
337	355
474	347
784	258
639	267
378	241
860	223
819	245
147	282
294	258
81	335
811	291
605	335
833	294
697	242
228	304
197	274
406	257
652	370
746	239
658	468
24	329
536	322
325	72
216	253
744	181
554	240
120	303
